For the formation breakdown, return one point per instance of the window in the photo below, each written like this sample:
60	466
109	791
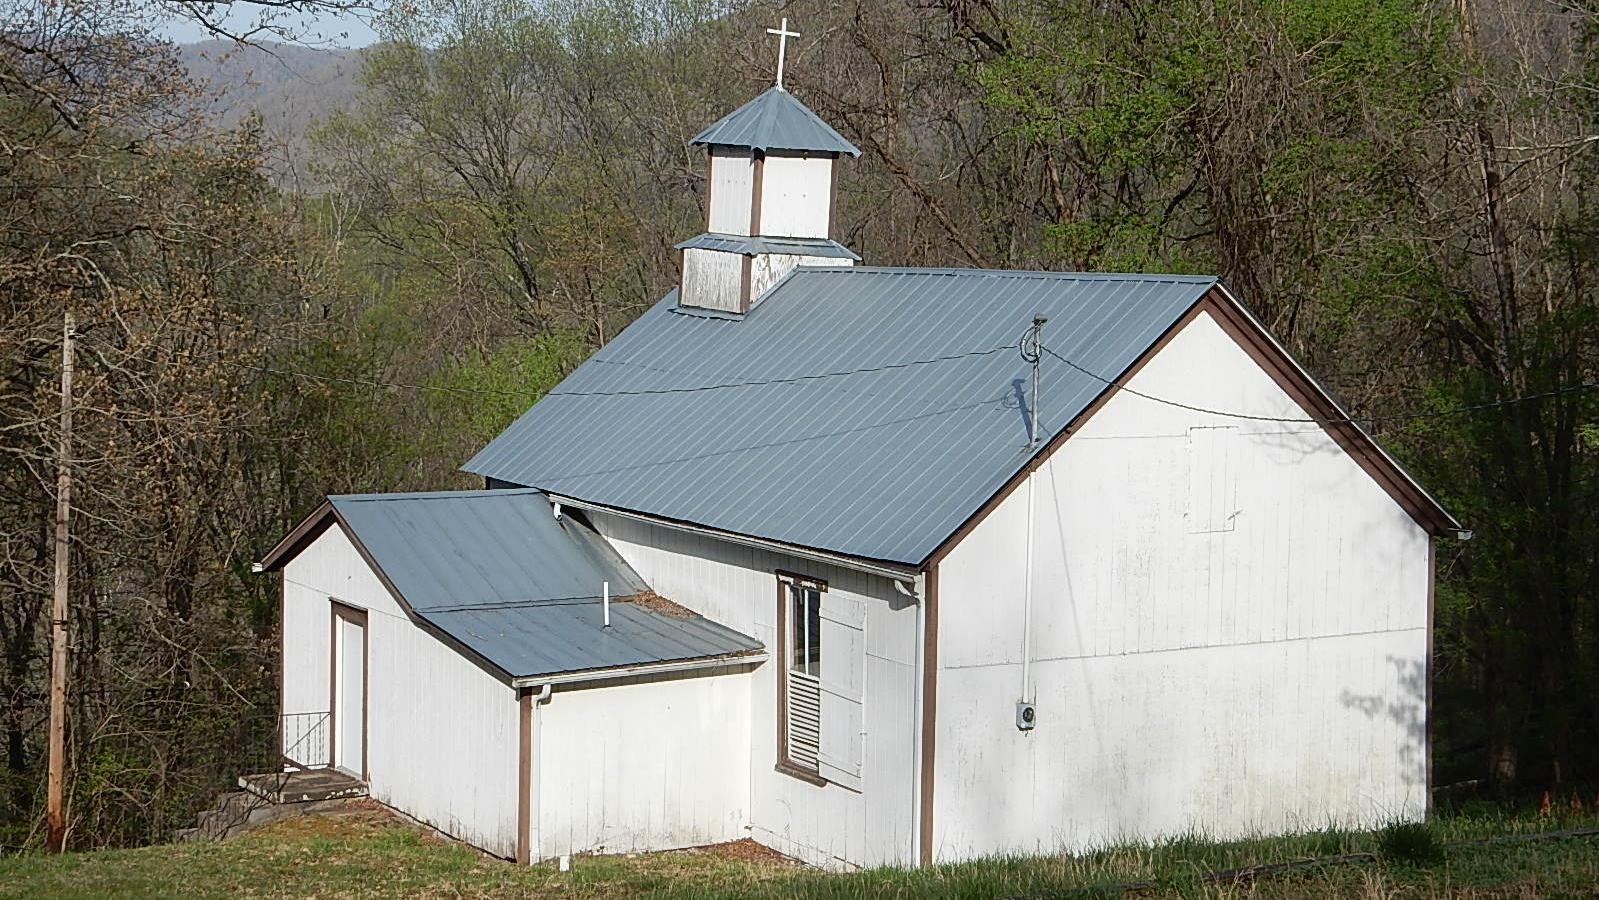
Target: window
821	722
805	616
800	690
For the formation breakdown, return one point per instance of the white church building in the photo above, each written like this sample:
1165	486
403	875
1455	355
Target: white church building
882	566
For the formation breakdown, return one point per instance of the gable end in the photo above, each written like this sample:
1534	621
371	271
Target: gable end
1254	340
315	525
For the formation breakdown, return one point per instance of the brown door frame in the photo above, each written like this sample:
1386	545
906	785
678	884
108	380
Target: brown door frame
355	616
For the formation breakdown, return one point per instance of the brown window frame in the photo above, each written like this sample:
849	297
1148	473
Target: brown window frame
785	583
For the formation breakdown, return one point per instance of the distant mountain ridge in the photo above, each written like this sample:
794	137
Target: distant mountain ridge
290	86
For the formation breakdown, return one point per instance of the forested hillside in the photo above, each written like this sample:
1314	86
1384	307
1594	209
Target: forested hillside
1402	189
287	87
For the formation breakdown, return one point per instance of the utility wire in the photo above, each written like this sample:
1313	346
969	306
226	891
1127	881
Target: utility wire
1350	420
501	392
367	382
794	380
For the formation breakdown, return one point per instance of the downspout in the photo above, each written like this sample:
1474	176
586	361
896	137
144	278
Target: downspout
534	783
918	593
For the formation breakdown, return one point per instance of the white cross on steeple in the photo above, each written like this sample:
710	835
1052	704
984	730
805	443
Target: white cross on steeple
783	34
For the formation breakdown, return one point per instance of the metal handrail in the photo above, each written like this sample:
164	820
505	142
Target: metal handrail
312	748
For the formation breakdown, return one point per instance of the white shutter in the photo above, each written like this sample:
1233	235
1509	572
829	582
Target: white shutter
843	685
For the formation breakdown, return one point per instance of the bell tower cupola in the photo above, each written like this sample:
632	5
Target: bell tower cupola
772	184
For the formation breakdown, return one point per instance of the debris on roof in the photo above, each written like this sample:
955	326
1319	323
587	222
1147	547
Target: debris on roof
498	573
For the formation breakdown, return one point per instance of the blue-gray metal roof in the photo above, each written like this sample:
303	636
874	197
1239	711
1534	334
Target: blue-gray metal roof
796	246
745	425
775	120
497	572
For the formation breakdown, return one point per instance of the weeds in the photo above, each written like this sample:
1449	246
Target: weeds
1410	842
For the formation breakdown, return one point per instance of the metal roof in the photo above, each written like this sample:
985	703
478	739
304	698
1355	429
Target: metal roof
775	120
499	573
883	463
751	245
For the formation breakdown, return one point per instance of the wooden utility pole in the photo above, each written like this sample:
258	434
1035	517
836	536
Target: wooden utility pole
55	818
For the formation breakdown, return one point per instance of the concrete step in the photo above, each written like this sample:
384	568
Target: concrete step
271	796
303	786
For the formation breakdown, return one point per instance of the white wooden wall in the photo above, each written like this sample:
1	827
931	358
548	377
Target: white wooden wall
712	279
643	764
1229	630
796	196
442	735
732	190
768	268
829	825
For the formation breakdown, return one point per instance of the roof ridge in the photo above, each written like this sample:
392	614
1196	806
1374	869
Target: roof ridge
466	494
1016	273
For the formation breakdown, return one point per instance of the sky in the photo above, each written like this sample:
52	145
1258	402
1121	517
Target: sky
321	30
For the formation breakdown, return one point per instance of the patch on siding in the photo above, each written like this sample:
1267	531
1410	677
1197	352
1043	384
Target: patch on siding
1213	465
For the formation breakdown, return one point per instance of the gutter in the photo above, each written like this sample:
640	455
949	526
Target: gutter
906	573
677	665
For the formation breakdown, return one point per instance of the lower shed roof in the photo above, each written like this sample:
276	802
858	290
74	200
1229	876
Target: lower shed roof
497	573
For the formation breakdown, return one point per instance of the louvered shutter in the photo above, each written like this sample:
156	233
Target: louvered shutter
843	685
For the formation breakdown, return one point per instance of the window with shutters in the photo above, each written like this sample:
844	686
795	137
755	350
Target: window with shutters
821	686
800	692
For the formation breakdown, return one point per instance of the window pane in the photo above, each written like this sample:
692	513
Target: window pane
796	627
813	628
805	629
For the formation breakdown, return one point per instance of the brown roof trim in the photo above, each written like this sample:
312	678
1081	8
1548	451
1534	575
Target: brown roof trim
1253	338
309	529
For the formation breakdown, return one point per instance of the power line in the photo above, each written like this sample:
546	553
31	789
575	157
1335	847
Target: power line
372	382
1432	414
870	370
842	373
793	380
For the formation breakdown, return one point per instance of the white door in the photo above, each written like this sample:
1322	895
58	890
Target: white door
349	691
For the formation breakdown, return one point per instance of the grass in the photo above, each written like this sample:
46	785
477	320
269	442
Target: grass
369	855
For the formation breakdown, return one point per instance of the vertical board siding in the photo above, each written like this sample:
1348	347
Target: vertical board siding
1253	665
768	269
441	733
796	196
732	190
644	765
828	825
307	649
712	279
